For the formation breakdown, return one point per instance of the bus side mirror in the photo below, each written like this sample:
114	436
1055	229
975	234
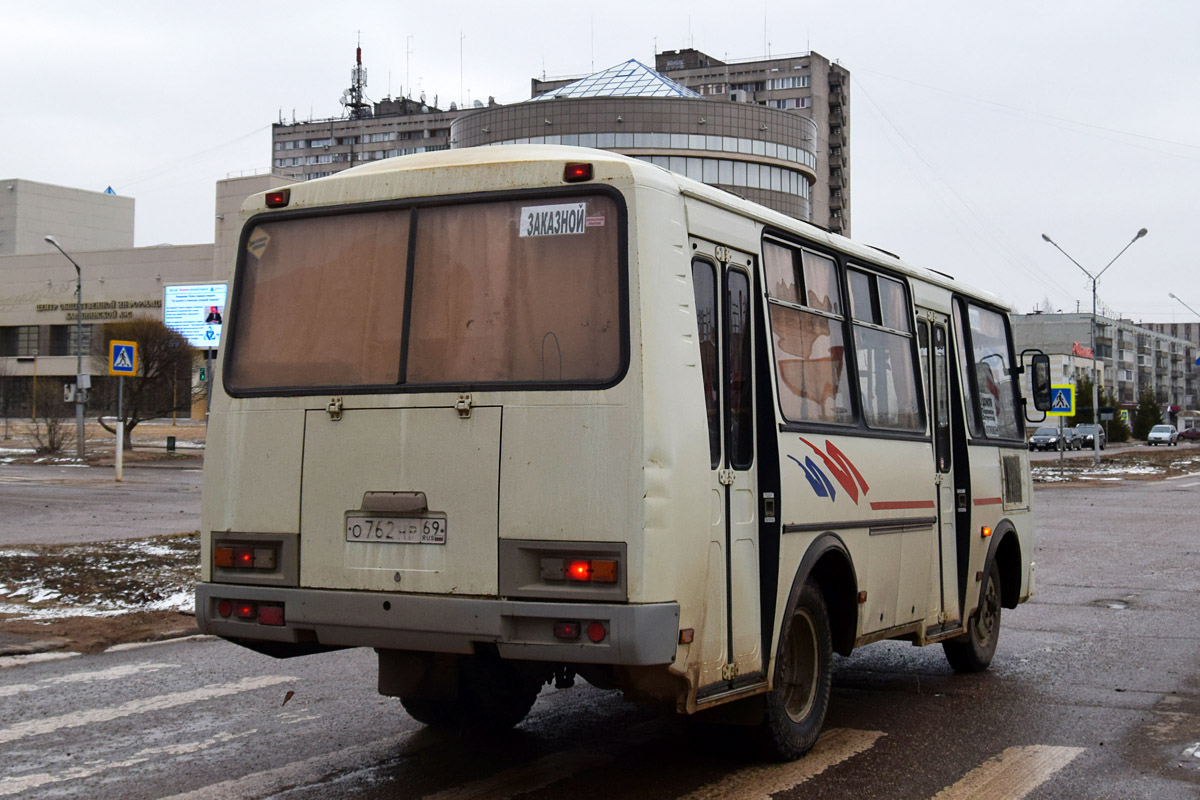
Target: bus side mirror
1039	381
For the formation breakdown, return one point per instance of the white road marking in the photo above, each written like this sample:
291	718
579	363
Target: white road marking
1013	774
759	783
1189	485
116	673
526	778
24	783
298	773
33	658
78	719
120	648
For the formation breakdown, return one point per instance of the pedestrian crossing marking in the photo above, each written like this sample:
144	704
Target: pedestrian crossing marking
78	719
115	673
759	783
1013	774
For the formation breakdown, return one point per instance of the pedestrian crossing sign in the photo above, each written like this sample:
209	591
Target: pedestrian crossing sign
122	358
1062	401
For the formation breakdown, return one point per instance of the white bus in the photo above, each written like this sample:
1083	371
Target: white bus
514	414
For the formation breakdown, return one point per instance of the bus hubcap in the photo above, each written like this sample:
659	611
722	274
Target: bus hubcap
799	669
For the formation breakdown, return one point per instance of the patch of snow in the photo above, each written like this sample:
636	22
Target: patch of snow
179	601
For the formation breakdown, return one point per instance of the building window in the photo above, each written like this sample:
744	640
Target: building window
27	340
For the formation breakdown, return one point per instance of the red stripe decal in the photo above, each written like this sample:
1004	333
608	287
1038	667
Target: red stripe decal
897	505
989	501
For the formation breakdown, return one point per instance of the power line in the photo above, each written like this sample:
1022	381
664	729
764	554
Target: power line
1038	114
999	244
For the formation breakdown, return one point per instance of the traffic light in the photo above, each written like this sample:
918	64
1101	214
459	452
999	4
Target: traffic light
203	374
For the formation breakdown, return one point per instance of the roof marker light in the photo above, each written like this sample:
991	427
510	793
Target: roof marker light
278	198
577	173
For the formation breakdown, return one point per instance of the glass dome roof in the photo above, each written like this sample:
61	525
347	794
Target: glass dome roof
630	79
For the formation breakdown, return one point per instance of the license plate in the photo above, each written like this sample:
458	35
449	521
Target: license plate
396	530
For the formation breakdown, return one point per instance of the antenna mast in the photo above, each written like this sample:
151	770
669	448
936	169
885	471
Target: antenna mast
352	98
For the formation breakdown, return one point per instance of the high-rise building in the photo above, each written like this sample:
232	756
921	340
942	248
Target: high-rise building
807	84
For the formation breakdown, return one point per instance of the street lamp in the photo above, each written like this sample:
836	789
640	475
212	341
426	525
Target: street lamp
79	438
1185	305
1094	279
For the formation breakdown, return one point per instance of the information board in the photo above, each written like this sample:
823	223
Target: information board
196	311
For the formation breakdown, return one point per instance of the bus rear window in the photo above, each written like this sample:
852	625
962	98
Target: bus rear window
516	291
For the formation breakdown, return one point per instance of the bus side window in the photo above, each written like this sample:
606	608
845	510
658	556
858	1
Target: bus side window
704	282
883	341
808	334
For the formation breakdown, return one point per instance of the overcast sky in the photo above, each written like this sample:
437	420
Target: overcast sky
974	127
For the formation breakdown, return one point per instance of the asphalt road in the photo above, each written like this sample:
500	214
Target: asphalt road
51	504
1094	693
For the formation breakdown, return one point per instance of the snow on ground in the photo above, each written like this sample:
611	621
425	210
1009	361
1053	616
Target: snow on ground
99	579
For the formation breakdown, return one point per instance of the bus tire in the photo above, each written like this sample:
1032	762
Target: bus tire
973	651
796	706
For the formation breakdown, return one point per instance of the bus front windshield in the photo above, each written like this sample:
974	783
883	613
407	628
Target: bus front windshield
523	291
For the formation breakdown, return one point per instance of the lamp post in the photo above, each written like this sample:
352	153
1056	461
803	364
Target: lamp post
1173	296
1095	279
79	437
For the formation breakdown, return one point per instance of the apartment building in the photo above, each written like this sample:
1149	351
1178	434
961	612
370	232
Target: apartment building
1131	356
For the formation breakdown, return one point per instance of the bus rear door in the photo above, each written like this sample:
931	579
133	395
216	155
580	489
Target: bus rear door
732	650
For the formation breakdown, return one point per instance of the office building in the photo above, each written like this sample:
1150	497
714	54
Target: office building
119	281
775	131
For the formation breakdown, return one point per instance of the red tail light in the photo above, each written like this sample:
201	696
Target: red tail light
596	632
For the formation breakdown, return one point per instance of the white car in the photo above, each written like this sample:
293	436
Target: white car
1163	434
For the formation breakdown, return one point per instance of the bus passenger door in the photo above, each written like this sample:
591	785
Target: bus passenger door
725	314
934	336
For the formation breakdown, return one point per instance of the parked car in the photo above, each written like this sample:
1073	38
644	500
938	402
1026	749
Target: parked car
1088	434
1191	434
1049	438
1163	434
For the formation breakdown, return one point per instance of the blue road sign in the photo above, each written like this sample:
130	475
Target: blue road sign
122	358
1062	401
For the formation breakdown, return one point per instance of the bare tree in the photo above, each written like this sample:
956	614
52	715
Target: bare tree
50	428
164	375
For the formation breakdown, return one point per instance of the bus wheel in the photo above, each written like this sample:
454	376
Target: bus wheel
795	708
973	651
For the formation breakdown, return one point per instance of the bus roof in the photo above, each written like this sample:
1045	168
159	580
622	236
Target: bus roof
641	172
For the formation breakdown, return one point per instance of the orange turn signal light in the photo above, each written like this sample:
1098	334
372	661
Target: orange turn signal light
985	532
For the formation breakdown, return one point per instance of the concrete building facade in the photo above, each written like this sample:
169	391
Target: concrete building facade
30	210
806	84
1131	357
760	153
37	288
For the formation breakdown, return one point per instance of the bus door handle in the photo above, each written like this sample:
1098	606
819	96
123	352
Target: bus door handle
961	499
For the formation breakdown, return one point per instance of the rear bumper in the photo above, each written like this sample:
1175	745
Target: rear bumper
636	634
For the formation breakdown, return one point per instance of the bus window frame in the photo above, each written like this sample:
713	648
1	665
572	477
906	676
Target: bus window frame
842	262
910	334
415	204
960	318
